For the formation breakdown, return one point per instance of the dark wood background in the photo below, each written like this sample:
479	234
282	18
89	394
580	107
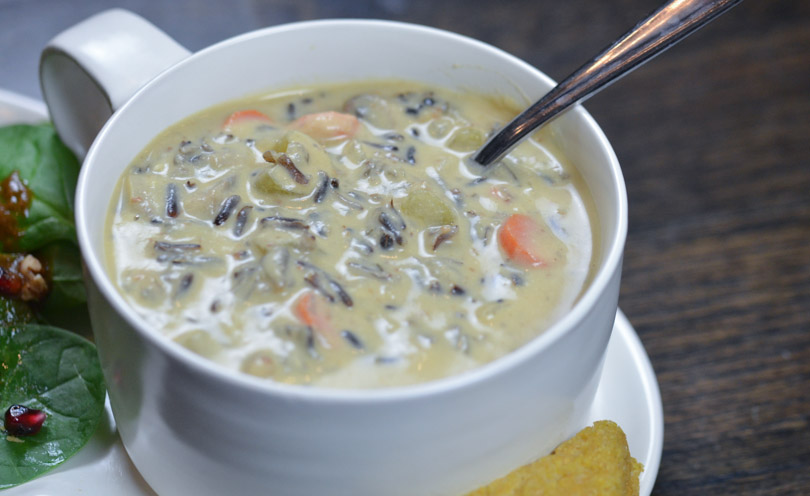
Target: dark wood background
714	141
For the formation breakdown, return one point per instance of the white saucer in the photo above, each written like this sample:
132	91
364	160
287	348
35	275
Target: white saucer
628	394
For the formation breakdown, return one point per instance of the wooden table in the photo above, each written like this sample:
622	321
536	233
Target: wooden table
714	140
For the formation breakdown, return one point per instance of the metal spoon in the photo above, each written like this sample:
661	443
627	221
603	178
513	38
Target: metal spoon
663	28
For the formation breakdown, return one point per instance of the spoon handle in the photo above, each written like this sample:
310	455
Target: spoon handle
663	28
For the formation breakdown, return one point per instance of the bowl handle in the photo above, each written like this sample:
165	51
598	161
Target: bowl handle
90	70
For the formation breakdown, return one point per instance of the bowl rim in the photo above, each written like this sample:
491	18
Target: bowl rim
611	260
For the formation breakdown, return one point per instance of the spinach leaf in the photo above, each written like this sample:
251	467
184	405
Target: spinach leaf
50	171
52	370
65	305
14	312
64	263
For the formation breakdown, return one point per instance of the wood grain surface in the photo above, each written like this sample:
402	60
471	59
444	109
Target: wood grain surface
714	141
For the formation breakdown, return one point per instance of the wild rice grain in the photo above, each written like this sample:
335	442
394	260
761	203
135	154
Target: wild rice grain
172	207
287	222
352	339
321	189
185	283
241	220
410	155
226	209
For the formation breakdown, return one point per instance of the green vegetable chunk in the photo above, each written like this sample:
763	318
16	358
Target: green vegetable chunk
466	140
55	371
275	181
427	208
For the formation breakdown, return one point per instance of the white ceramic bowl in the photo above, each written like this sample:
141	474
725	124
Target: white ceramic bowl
192	427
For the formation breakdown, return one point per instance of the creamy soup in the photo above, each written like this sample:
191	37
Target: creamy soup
341	236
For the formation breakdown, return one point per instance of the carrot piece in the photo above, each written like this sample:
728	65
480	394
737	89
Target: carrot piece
327	125
311	311
520	237
306	311
244	115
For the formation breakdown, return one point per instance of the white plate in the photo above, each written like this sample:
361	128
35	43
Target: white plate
102	467
16	108
628	394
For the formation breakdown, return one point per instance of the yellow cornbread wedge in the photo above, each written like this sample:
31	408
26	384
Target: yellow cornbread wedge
595	462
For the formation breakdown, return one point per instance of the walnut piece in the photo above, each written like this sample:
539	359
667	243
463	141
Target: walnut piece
34	286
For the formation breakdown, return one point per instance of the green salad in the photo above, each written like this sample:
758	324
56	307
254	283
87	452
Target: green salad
51	386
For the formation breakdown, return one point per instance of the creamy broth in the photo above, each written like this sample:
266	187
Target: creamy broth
340	236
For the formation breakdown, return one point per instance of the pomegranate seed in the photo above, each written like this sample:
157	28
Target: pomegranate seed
10	283
24	421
